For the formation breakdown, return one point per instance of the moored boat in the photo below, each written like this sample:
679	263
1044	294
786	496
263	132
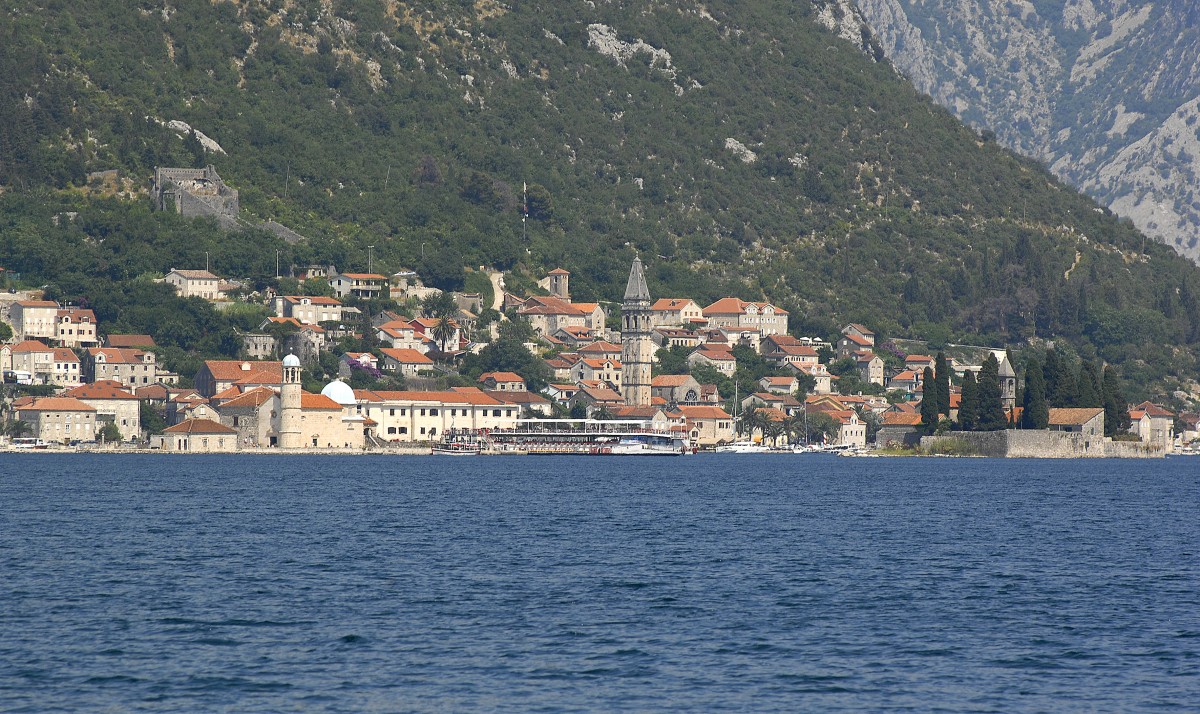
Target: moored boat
593	437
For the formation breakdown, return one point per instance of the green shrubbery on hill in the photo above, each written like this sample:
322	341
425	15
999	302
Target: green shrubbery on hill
415	130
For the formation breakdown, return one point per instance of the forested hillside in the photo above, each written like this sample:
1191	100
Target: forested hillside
739	147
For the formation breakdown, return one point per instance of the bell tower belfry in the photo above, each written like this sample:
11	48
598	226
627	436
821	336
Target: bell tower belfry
289	405
636	348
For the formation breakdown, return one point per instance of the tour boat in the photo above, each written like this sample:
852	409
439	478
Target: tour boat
595	437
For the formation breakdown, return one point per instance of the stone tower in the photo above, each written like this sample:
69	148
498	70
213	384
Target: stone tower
636	348
559	281
289	405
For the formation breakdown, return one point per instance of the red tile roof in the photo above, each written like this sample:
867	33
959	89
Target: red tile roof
196	274
716	353
245	370
901	419
406	356
254	398
129	341
1073	417
56	404
703	412
31	346
670	380
670	304
118	355
736	306
501	377
103	389
199	426
318	402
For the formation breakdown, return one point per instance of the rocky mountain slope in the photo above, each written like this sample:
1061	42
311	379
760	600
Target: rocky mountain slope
1106	92
753	147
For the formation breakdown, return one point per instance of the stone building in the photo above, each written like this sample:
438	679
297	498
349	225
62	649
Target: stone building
130	367
59	420
113	405
637	349
197	436
195	192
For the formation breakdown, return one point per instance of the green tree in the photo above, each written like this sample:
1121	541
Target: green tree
671	361
438	305
821	427
1116	409
991	408
1061	388
16	428
110	433
929	402
442	331
508	353
1088	386
6	332
968	406
942	376
538	203
153	422
1036	413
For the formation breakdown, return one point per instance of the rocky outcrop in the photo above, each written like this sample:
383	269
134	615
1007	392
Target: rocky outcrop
1104	91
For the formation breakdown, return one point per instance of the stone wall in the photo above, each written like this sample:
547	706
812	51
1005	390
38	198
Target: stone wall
892	436
1033	444
194	192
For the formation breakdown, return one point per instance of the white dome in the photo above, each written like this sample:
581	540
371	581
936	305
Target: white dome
340	392
291	361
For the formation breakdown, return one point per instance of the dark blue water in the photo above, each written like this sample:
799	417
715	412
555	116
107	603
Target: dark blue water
708	583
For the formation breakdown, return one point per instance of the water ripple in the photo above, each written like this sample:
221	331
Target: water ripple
608	585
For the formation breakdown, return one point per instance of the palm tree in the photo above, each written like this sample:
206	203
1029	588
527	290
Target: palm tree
443	330
18	428
773	430
793	426
754	420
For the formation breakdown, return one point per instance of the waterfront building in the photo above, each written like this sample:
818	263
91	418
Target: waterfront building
113	405
58	420
407	416
197	436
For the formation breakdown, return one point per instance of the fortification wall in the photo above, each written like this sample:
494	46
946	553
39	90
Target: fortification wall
1031	444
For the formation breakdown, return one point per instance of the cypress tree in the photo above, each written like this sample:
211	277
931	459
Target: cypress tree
942	375
929	402
991	409
1116	411
1036	414
968	408
1052	371
1088	386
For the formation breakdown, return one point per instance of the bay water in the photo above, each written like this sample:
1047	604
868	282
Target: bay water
763	583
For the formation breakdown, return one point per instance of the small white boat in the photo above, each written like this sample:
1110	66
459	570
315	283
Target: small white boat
742	447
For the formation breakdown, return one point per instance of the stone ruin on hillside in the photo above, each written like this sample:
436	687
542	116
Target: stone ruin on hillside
196	192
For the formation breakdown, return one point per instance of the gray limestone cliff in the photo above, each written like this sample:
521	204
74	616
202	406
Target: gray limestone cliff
1106	92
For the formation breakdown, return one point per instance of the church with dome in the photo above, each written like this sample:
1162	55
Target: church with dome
272	410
